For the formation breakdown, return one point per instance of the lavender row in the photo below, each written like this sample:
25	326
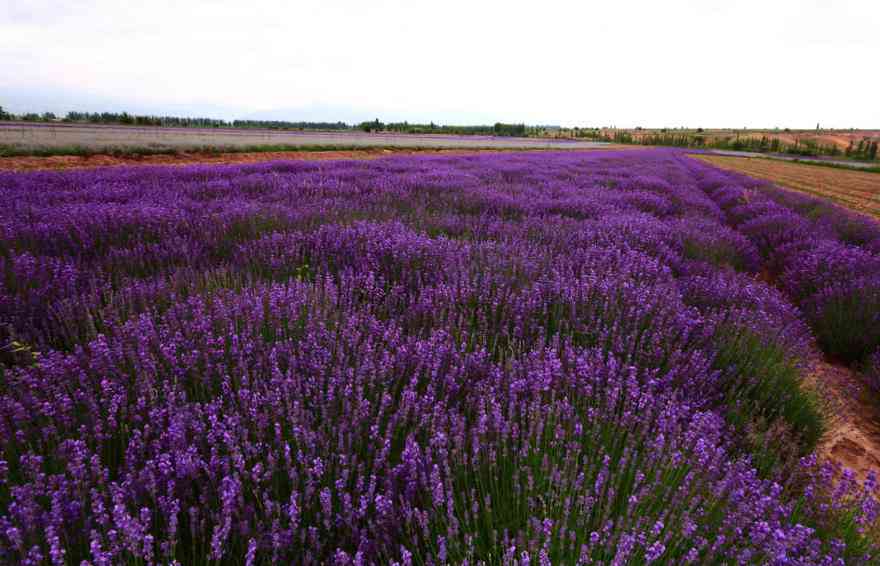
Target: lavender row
826	259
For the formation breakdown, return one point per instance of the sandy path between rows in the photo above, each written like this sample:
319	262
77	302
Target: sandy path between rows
852	418
32	163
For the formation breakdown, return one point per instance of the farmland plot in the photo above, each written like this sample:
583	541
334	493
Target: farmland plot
503	358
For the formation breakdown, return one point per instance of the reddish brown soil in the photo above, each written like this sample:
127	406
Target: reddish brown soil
25	163
29	163
852	417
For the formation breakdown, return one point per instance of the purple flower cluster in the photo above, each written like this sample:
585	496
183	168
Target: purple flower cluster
513	358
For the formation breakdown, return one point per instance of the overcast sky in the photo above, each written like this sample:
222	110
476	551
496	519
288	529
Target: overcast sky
691	63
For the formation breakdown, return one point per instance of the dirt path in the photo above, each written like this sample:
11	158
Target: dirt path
32	163
852	417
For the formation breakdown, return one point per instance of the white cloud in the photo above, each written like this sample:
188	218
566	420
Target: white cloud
679	62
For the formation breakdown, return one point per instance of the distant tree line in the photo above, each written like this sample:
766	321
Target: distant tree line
29	117
865	149
588	133
143	120
169	121
498	129
285	125
509	129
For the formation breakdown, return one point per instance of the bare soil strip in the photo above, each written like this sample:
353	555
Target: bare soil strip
857	190
32	163
29	163
852	417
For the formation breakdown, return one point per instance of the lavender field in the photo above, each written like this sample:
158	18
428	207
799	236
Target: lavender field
524	358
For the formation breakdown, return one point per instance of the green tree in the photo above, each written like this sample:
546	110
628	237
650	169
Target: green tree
374	126
501	129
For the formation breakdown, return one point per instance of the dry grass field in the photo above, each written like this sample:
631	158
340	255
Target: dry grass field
857	190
